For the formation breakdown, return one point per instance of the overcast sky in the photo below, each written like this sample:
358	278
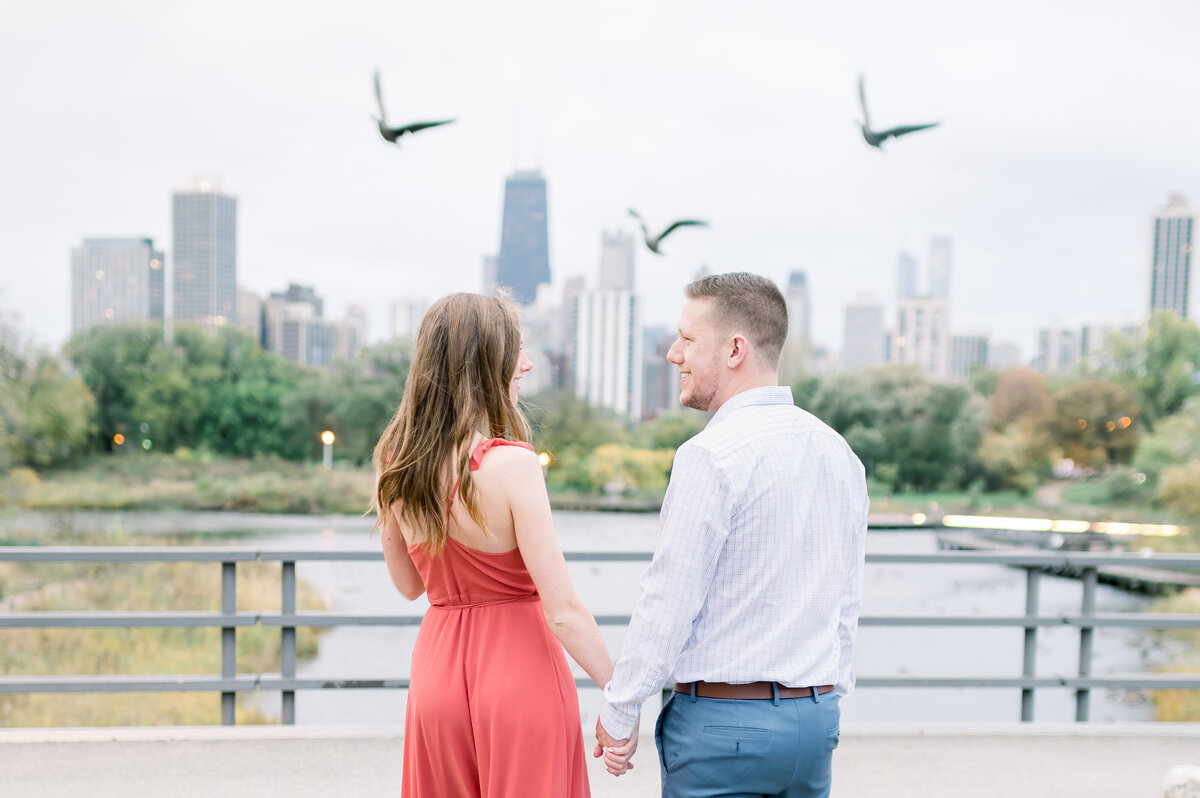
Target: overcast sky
1065	124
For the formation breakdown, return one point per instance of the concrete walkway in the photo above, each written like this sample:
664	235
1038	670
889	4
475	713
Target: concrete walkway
1031	761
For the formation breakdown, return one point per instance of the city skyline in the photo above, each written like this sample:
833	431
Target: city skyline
1048	209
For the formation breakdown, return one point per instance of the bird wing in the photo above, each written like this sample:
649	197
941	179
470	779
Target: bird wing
905	129
681	223
862	99
415	126
642	222
379	98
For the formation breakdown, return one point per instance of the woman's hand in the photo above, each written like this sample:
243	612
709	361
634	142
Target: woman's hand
617	758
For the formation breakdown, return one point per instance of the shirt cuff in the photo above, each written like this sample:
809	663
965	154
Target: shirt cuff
617	723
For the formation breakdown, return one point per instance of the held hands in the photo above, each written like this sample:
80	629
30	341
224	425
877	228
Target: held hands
616	753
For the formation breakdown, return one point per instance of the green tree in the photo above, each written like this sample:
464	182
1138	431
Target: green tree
671	430
113	362
46	417
1095	422
901	422
1161	365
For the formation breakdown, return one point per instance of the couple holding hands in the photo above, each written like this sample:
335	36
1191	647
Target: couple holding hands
749	607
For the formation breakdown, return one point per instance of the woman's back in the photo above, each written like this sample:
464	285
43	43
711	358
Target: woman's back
492	707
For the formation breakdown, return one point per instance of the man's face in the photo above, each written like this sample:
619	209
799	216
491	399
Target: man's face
697	352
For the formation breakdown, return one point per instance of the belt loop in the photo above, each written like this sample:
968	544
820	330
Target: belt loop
775	693
815	699
693	692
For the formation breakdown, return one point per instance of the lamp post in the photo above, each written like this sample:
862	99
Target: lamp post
327	438
544	459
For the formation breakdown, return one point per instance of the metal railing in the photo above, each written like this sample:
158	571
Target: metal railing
1086	565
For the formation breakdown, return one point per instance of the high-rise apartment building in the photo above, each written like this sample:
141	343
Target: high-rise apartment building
1171	257
250	314
660	378
795	359
616	261
407	313
524	259
608	350
906	276
940	264
923	335
295	328
114	280
966	352
1058	350
204	255
864	338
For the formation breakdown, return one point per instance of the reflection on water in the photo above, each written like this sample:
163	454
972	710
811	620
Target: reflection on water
611	589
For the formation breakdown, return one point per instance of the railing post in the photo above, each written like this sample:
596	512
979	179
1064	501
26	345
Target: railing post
1032	579
228	640
1083	696
287	667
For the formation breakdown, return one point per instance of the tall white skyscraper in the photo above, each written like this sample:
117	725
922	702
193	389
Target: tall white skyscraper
616	261
923	335
114	280
940	267
906	276
864	339
608	350
1171	258
204	255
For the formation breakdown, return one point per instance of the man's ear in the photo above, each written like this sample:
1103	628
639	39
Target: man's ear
739	350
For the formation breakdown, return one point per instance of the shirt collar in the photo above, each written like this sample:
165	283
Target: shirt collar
766	395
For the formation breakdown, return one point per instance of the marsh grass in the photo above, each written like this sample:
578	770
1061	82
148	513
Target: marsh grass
1180	705
167	651
191	481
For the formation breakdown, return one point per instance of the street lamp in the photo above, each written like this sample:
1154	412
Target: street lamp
327	438
544	459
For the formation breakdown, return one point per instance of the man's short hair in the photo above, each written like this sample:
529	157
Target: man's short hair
747	303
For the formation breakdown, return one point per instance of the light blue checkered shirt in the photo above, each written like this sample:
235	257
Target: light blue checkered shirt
758	572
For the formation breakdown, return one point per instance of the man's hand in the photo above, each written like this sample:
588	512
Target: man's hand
616	753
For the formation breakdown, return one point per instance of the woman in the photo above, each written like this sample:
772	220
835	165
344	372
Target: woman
492	705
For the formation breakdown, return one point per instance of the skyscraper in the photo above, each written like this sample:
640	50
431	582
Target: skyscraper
524	259
115	279
608	350
923	335
616	261
968	351
864	341
794	359
204	252
906	276
295	328
1171	258
940	263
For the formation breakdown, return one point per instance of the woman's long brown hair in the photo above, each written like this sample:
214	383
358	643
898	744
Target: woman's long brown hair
465	358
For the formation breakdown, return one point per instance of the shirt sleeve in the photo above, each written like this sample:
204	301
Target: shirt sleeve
851	604
695	522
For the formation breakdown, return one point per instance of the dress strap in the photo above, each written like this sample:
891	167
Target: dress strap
482	448
477	458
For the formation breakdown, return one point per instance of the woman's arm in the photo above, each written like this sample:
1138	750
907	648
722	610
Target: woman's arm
400	566
567	615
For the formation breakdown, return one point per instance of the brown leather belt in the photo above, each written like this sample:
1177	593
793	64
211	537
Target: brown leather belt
748	691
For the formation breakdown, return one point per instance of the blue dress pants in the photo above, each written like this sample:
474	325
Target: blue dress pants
731	748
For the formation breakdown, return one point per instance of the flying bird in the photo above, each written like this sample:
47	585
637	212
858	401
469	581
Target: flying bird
877	137
652	242
390	134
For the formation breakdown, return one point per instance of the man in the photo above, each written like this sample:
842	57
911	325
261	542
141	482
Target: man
750	605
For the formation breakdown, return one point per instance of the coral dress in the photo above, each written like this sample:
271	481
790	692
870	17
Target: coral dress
492	706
